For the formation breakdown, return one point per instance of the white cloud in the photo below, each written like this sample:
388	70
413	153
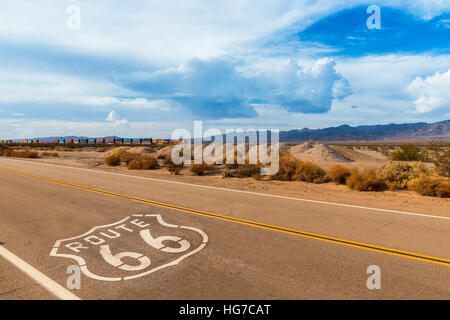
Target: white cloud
40	87
24	128
223	87
114	118
35	86
380	83
432	92
173	31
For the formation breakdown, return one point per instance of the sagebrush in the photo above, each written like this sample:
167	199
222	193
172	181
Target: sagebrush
366	180
434	186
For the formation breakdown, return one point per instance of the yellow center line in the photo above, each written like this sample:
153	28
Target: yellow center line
350	243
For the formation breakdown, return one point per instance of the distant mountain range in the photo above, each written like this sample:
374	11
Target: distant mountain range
393	132
389	132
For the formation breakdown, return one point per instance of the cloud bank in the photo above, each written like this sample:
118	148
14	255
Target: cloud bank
432	92
223	87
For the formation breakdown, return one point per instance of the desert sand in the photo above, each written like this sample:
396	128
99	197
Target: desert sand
325	155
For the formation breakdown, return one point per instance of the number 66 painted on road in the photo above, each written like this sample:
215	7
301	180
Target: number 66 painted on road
144	261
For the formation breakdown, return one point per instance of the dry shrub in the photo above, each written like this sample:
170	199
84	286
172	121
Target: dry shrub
102	149
3	150
339	173
309	172
49	154
200	169
367	180
290	169
29	154
149	162
7	152
430	185
409	152
234	164
119	156
442	162
20	154
286	168
398	174
112	160
126	157
172	167
243	171
134	164
143	163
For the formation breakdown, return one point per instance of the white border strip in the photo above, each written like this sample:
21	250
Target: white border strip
240	191
50	285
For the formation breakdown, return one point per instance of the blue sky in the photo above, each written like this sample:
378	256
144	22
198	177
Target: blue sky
148	67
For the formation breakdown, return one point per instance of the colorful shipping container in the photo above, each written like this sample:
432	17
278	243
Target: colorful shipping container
147	141
127	141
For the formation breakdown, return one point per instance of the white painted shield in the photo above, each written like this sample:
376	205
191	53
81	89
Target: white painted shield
131	248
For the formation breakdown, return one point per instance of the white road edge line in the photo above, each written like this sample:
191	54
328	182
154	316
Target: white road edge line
240	191
49	284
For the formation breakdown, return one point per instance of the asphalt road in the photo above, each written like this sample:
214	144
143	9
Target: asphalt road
140	238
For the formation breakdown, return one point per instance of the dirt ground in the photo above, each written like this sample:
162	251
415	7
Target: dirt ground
394	200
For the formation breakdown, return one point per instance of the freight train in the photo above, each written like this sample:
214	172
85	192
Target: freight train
129	141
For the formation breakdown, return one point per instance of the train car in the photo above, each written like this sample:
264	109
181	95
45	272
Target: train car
136	141
83	141
62	141
35	141
55	141
76	141
110	140
91	141
127	141
147	141
118	141
69	140
100	140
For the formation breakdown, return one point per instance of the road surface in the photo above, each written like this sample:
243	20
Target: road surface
137	238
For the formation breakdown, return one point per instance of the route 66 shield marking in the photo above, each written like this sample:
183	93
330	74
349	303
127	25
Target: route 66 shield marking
131	248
